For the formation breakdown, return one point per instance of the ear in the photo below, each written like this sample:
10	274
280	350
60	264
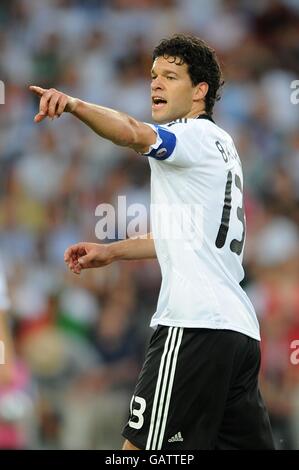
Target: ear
200	91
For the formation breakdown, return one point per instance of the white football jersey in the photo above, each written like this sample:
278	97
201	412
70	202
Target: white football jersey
198	225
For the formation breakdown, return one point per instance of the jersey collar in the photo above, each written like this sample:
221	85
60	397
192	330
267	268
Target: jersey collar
205	116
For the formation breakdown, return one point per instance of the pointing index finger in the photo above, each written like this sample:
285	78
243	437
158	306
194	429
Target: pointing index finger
37	89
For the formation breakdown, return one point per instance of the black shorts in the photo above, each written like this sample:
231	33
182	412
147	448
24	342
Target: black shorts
198	389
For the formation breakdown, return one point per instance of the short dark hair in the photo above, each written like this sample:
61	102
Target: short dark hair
201	59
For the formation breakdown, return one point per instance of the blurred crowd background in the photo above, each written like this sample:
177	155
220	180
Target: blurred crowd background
80	341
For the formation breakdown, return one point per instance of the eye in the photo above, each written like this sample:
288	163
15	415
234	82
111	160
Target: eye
170	78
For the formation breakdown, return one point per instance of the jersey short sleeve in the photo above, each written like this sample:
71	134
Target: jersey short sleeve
177	143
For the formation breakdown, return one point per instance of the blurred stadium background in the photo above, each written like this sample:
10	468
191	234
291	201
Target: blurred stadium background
80	340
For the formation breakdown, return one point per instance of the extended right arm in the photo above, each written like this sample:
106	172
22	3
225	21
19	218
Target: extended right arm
118	127
96	255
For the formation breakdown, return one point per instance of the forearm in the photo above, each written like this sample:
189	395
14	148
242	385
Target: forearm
134	248
113	125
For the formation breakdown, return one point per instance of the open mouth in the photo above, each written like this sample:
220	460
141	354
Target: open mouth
158	102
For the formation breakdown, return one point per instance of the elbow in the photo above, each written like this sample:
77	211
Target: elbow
131	135
124	139
127	135
135	135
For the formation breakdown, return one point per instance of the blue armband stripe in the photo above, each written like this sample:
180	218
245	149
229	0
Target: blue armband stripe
166	147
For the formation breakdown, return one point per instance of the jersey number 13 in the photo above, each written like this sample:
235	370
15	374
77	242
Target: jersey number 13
236	246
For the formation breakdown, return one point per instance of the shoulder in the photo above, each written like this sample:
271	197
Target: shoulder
209	129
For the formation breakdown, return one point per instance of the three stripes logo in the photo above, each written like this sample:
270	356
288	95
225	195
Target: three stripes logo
176	438
164	388
177	121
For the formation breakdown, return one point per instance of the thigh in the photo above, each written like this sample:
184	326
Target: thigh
245	423
182	390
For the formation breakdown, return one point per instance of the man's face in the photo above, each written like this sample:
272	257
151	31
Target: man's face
171	89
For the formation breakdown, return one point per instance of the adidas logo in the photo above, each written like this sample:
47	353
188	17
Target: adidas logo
176	438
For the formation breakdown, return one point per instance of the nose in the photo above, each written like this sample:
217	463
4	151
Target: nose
157	84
